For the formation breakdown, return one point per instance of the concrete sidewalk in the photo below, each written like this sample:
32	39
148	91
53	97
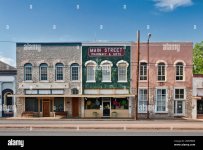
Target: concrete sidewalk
77	124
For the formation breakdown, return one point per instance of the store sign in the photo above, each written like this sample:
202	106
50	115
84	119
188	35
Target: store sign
106	51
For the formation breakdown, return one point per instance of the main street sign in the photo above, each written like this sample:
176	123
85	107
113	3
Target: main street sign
106	51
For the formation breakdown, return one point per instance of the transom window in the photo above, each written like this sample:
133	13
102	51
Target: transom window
43	72
74	72
161	72
161	100
179	93
179	71
28	72
59	71
143	71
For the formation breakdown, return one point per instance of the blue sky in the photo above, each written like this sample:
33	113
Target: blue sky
90	20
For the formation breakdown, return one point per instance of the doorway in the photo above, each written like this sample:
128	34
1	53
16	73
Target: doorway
106	108
75	107
46	108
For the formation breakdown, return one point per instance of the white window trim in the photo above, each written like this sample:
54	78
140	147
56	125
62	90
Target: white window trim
184	74
110	64
25	73
143	61
71	74
56	74
183	100
127	64
40	74
166	104
157	65
90	81
179	88
142	112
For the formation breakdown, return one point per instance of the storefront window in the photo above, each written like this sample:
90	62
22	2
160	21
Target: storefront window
31	104
92	103
119	103
59	104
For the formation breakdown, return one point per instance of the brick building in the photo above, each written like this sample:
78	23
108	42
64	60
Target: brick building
48	79
169	79
7	87
107	80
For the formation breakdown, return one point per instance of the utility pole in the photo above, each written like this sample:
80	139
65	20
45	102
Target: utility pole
137	73
149	35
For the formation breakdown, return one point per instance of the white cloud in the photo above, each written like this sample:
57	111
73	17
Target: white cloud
7	60
170	5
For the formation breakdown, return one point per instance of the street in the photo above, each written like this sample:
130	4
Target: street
93	132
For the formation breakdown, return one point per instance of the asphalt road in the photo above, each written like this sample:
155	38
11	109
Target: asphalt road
109	132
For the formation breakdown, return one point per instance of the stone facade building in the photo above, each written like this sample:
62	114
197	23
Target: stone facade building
49	79
7	87
169	79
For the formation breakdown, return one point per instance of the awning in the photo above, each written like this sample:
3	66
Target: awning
198	97
79	95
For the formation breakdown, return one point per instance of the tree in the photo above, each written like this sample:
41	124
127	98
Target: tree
198	58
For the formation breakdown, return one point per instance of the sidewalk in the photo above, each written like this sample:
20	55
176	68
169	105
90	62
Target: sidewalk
123	124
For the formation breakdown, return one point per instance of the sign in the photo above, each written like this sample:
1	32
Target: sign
106	51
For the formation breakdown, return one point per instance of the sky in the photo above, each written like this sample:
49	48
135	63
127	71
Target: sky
97	20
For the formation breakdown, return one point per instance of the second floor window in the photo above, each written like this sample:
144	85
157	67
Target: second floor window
179	71
28	72
43	72
122	70
106	72
59	71
161	72
143	71
90	72
74	72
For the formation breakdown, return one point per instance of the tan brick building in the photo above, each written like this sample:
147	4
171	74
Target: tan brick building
169	76
48	79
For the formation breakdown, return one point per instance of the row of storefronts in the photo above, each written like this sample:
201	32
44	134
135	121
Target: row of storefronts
99	80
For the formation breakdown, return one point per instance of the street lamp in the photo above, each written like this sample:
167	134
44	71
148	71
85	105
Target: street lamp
149	36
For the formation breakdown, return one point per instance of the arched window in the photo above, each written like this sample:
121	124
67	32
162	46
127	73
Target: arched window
74	72
143	71
74	91
122	70
179	71
90	68
59	71
43	72
28	72
106	70
161	75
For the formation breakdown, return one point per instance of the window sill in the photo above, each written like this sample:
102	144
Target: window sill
179	115
76	81
28	81
45	81
161	112
180	80
161	81
122	81
142	80
90	81
59	81
142	112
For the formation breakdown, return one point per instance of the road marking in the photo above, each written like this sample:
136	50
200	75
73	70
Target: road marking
78	128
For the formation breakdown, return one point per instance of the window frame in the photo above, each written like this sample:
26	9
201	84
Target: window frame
28	65
176	100
183	71
141	74
43	66
75	65
59	65
108	65
166	100
142	100
125	65
163	71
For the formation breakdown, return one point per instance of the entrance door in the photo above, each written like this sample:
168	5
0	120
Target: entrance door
75	107
46	109
106	108
200	109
